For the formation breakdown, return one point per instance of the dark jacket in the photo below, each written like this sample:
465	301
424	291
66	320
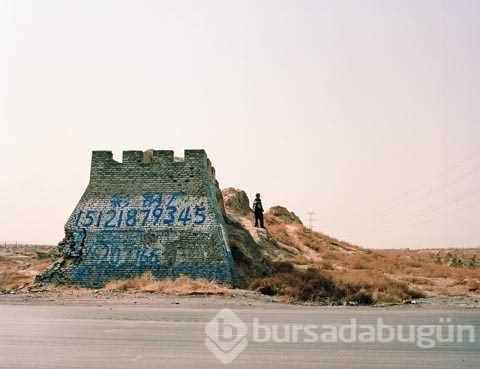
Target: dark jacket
257	206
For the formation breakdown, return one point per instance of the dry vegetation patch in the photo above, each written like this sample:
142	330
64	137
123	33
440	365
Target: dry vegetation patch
180	286
327	268
317	285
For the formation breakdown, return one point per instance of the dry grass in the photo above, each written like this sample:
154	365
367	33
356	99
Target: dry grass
313	284
180	286
295	285
377	285
473	285
378	275
326	265
419	281
369	275
301	260
281	234
331	255
432	271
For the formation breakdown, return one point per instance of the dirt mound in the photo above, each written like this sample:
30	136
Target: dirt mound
313	265
236	201
280	214
19	264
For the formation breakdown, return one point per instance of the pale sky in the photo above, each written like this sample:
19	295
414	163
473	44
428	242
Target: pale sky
365	112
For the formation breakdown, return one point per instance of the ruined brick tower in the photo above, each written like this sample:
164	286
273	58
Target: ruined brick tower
148	213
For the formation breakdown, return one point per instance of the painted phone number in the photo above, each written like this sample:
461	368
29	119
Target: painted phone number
116	218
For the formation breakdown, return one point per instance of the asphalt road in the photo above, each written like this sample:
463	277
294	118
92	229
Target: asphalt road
173	336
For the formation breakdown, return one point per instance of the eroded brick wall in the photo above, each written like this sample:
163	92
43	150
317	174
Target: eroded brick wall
161	215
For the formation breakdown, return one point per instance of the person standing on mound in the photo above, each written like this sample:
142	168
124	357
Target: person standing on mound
258	210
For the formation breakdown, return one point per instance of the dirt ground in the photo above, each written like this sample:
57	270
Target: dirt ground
444	276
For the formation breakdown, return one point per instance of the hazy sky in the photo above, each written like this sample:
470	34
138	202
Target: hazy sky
365	112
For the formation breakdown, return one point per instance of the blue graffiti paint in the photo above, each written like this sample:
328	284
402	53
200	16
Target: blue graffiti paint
152	213
200	215
113	255
152	200
120	201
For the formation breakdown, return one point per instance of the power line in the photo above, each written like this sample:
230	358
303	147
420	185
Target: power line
310	220
423	195
459	166
430	213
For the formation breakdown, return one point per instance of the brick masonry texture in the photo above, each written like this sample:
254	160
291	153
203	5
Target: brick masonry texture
157	213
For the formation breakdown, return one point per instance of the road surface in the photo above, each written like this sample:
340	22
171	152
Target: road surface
171	335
